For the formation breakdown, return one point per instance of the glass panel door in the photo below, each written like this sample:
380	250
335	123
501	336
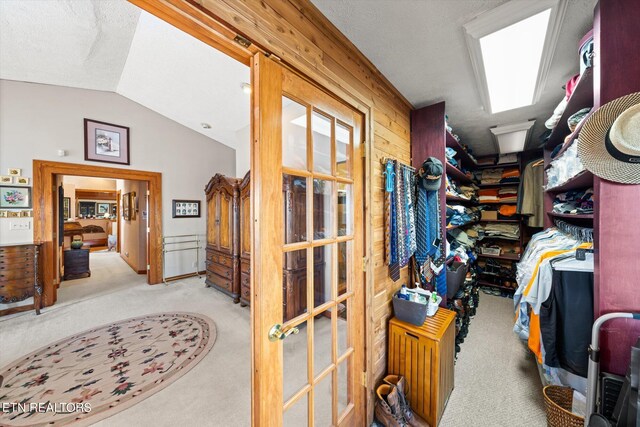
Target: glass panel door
309	300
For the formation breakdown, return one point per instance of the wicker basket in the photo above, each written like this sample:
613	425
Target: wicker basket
558	401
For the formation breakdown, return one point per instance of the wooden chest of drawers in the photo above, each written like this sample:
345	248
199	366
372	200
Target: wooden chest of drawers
424	355
222	273
76	263
20	276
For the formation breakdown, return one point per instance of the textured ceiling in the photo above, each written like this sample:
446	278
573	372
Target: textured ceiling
419	46
111	45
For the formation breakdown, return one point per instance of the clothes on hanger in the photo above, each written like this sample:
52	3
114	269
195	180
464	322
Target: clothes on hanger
530	201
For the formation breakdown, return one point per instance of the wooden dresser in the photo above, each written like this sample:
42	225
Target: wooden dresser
76	263
425	355
223	262
245	240
294	285
20	276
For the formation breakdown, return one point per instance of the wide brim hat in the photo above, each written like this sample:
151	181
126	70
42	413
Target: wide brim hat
609	141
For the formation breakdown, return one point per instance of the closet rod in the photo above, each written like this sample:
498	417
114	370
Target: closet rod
581	234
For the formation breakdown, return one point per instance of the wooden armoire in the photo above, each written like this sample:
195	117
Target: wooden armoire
223	235
295	263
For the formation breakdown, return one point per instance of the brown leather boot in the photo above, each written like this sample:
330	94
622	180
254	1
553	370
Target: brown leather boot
413	419
388	411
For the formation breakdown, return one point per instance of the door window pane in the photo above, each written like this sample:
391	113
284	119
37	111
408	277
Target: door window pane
344	389
322	204
342	329
294	189
344	263
322	342
345	209
343	150
294	373
294	284
298	414
322	274
321	135
294	134
323	403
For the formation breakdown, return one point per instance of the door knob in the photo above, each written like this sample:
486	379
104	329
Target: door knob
276	333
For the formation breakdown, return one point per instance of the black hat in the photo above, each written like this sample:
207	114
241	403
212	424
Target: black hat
431	174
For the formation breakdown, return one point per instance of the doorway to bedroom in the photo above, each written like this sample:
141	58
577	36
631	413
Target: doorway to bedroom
104	235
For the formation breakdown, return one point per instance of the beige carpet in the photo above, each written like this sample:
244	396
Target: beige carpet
496	378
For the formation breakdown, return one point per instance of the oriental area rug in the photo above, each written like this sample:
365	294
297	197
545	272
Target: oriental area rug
94	374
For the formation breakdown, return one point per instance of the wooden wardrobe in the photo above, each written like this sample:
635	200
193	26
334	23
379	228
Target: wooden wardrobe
295	263
223	235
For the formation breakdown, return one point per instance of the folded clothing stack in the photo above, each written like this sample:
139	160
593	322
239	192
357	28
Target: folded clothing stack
510	176
459	215
507	212
451	153
505	231
574	202
508	194
489	195
469	192
491	176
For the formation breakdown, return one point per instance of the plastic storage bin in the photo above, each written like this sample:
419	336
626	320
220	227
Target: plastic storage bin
455	278
409	311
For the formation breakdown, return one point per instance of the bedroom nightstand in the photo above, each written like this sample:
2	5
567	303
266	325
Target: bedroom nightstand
76	263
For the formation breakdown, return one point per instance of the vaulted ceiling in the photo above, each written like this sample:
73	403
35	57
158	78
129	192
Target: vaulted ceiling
419	46
111	45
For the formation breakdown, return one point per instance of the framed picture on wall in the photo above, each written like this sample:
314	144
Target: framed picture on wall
126	207
106	142
103	208
66	208
186	208
87	209
129	206
15	197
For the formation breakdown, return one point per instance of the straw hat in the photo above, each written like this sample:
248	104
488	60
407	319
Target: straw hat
609	142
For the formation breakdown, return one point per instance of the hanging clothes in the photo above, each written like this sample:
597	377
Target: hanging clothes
530	201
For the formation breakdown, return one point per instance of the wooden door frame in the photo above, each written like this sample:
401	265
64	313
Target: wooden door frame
45	229
219	32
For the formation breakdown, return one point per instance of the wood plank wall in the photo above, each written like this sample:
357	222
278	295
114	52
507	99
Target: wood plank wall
296	32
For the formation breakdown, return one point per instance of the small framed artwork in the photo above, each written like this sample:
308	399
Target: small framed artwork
26	214
106	142
14	172
6	179
13	214
22	180
129	206
87	209
186	208
66	208
103	208
15	197
4	214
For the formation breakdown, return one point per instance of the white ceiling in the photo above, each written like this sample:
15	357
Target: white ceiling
419	46
111	45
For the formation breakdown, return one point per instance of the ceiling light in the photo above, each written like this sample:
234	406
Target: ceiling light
512	138
205	125
246	88
511	47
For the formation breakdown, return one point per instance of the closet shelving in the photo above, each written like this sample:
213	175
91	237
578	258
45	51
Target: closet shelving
582	97
457	174
456	199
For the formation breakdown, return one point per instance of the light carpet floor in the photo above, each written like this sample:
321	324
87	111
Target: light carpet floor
496	381
496	378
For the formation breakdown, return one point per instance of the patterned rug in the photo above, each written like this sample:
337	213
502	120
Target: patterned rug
97	373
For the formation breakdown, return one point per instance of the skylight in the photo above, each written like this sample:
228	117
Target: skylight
511	47
511	58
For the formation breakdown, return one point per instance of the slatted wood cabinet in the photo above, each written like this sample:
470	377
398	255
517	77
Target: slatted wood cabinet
223	235
424	355
20	276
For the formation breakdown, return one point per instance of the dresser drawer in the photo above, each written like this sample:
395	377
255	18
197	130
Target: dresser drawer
16	256
220	282
220	270
26	272
245	286
219	258
245	266
16	250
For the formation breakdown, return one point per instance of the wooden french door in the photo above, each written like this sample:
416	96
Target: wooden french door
307	250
